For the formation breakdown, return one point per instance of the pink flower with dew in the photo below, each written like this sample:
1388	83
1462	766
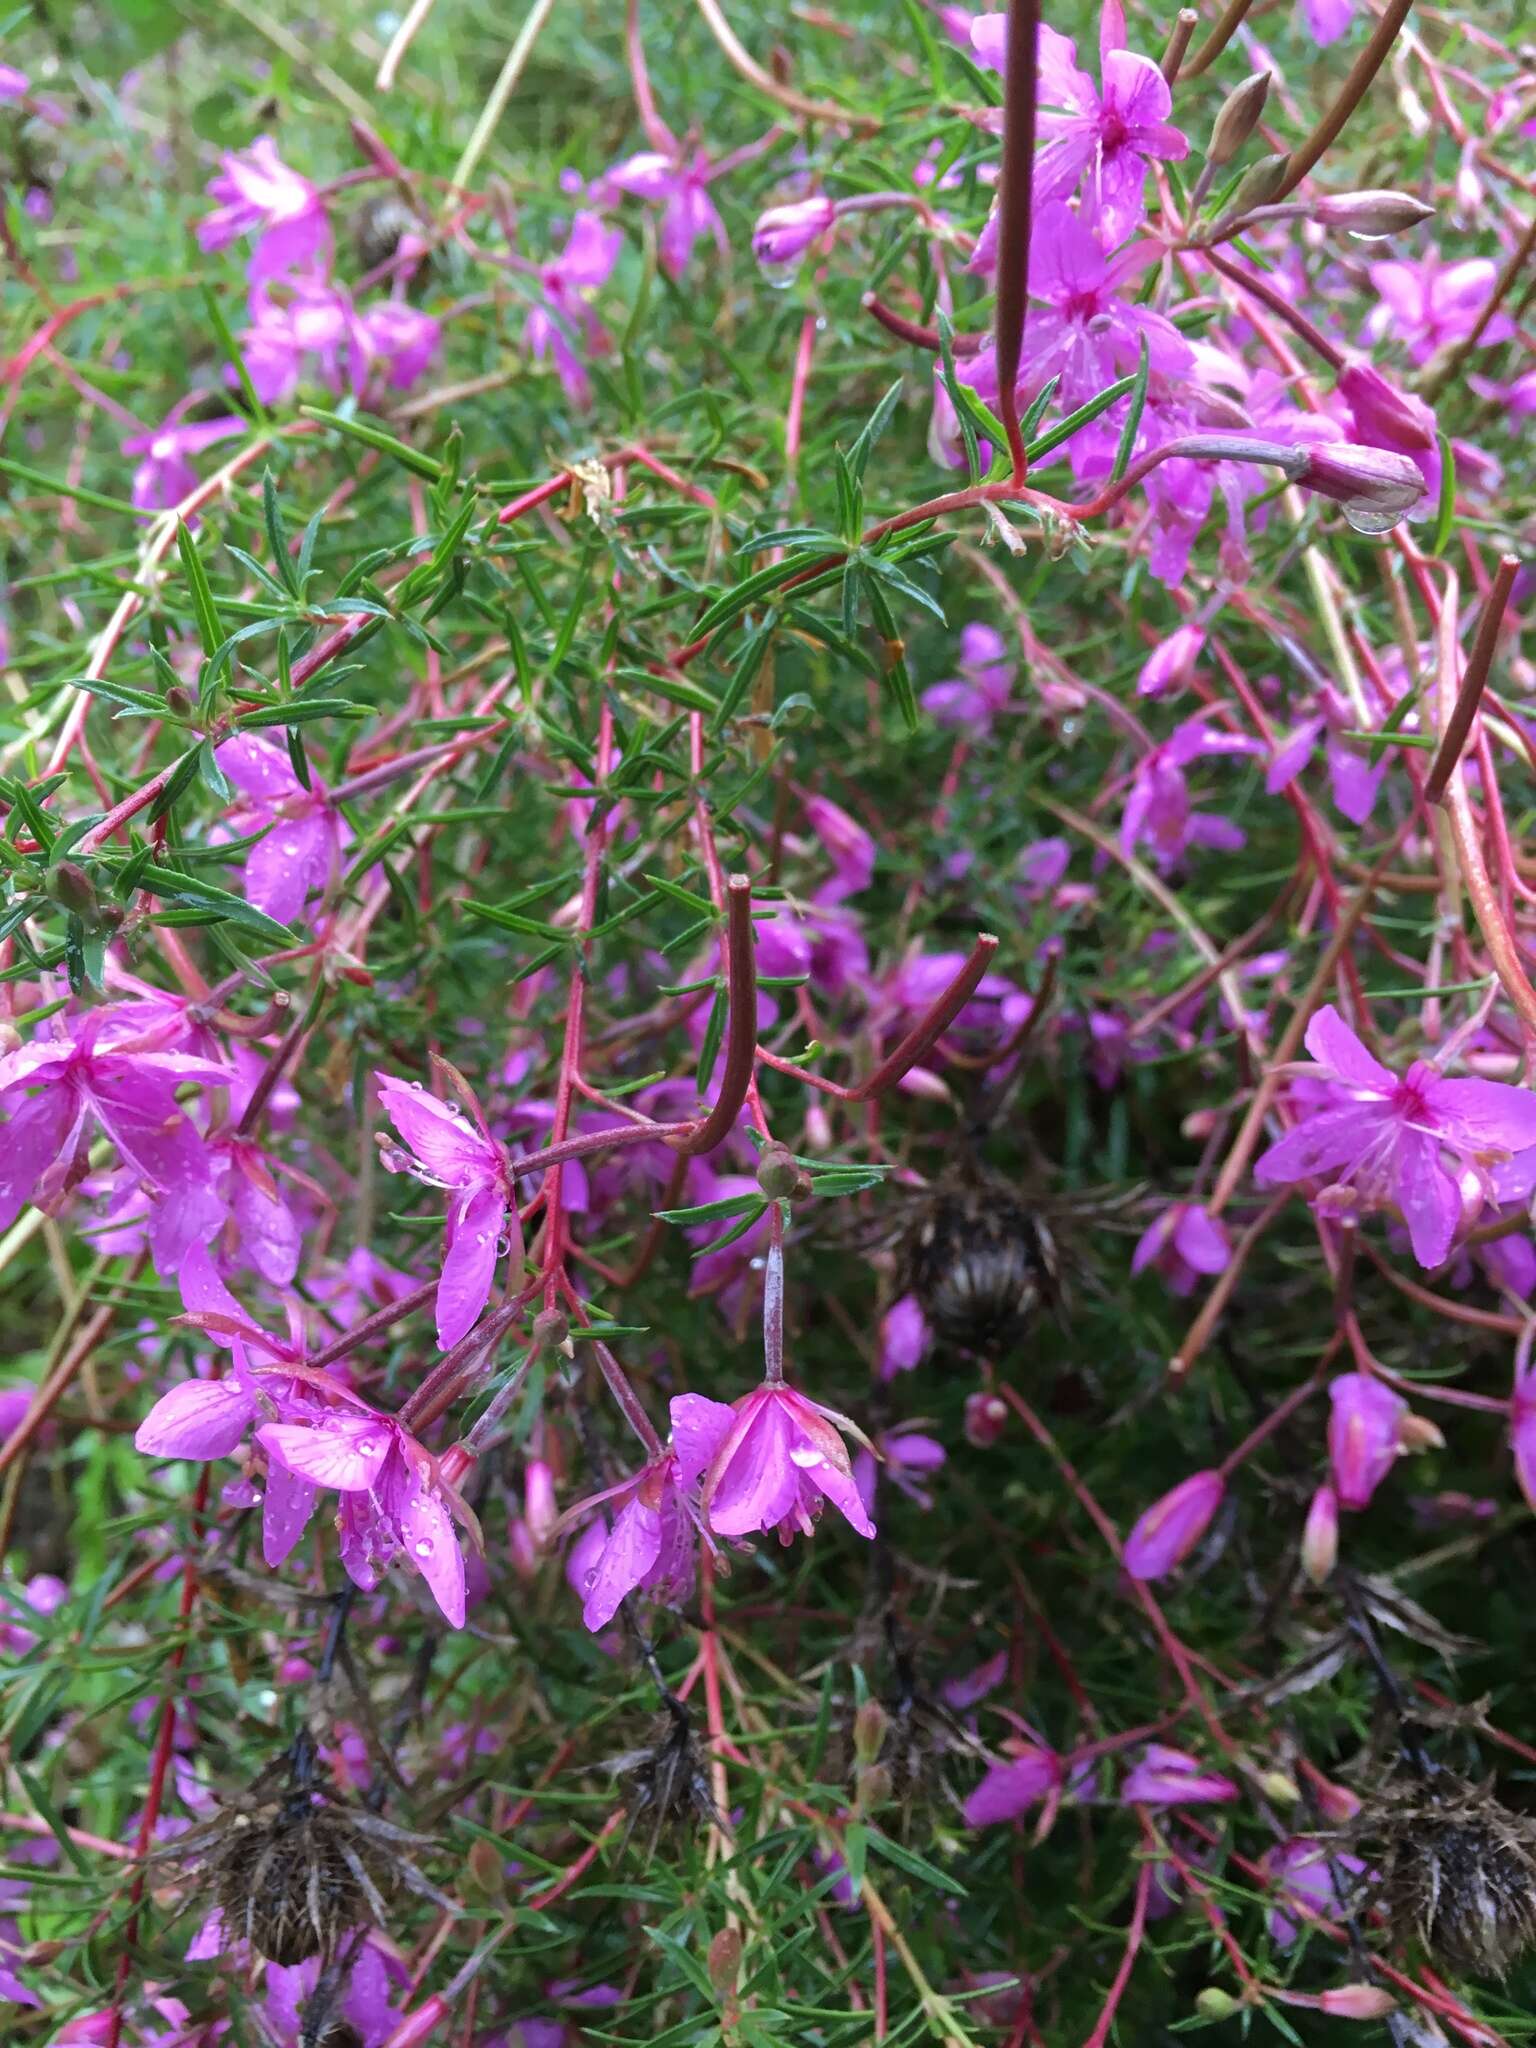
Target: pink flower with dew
1184	1244
259	194
1364	1435
1012	1788
1389	1137
165	476
904	1336
395	1503
86	1079
1427	305
1311	1876
305	834
784	233
1107	133
781	1459
1172	1777
679	184
651	1545
982	691
1377	487
457	1152
1168	1531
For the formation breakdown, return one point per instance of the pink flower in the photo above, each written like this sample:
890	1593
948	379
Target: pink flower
1306	1874
904	1336
1327	19
1389	1136
1522	1433
1011	1788
1363	1435
1159	808
14	84
565	319
679	184
782	1457
909	1455
454	1153
981	692
394	1500
165	476
259	193
1427	305
850	846
1168	1531
401	340
1171	664
300	855
1183	1243
311	328
1171	1777
1320	1536
784	233
1110	132
94	1078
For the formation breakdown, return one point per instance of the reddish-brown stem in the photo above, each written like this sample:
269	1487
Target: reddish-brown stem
1015	202
1351	93
1185	22
927	1032
1479	661
741	1025
912	331
1132	1949
1283	308
1218	39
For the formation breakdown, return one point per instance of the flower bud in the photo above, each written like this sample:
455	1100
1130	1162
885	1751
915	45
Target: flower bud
1362	1435
777	1174
784	233
1357	2002
986	1417
872	1788
1383	416
1169	1530
1259	183
1320	1537
551	1332
1215	2004
180	701
1376	487
1171	664
1238	118
72	888
1371	215
1336	1803
869	1726
724	1961
486	1867
1418	1433
1279	1787
539	1509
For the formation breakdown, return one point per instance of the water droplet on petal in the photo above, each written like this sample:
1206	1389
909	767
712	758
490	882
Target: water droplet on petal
424	1548
807	1459
503	1245
1368	518
588	1580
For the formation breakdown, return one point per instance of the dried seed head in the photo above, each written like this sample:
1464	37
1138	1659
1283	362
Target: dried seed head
980	1263
666	1783
1457	1871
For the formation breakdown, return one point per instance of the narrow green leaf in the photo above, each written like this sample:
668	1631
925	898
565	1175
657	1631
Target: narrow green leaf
210	630
1132	426
375	437
1445	513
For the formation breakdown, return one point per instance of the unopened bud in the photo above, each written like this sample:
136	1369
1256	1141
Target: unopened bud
1239	116
872	1788
724	1961
1215	2004
1383	416
72	888
486	1868
777	1174
1279	1787
869	1726
1357	2002
539	1509
10	1037
179	701
1371	215
1259	183
784	233
1376	487
986	1417
1336	1803
1320	1537
551	1332
1418	1433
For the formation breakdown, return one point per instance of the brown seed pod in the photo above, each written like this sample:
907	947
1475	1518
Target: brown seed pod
1456	1870
980	1260
378	226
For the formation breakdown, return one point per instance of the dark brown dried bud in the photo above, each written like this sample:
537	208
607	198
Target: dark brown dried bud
551	1331
72	889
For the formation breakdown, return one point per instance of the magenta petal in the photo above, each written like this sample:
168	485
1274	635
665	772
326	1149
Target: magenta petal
1325	1143
757	1483
199	1419
1484	1115
469	1265
39	1131
284	867
840	1487
1333	1045
633	1546
431	1545
699	1429
1167	1531
286	1507
1201	1242
1011	1788
345	1451
258	769
442	1138
1428	1197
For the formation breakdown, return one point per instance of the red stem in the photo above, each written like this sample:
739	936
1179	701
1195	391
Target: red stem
1016	192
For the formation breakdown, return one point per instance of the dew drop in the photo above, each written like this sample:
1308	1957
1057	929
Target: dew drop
503	1245
424	1548
588	1580
1367	518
